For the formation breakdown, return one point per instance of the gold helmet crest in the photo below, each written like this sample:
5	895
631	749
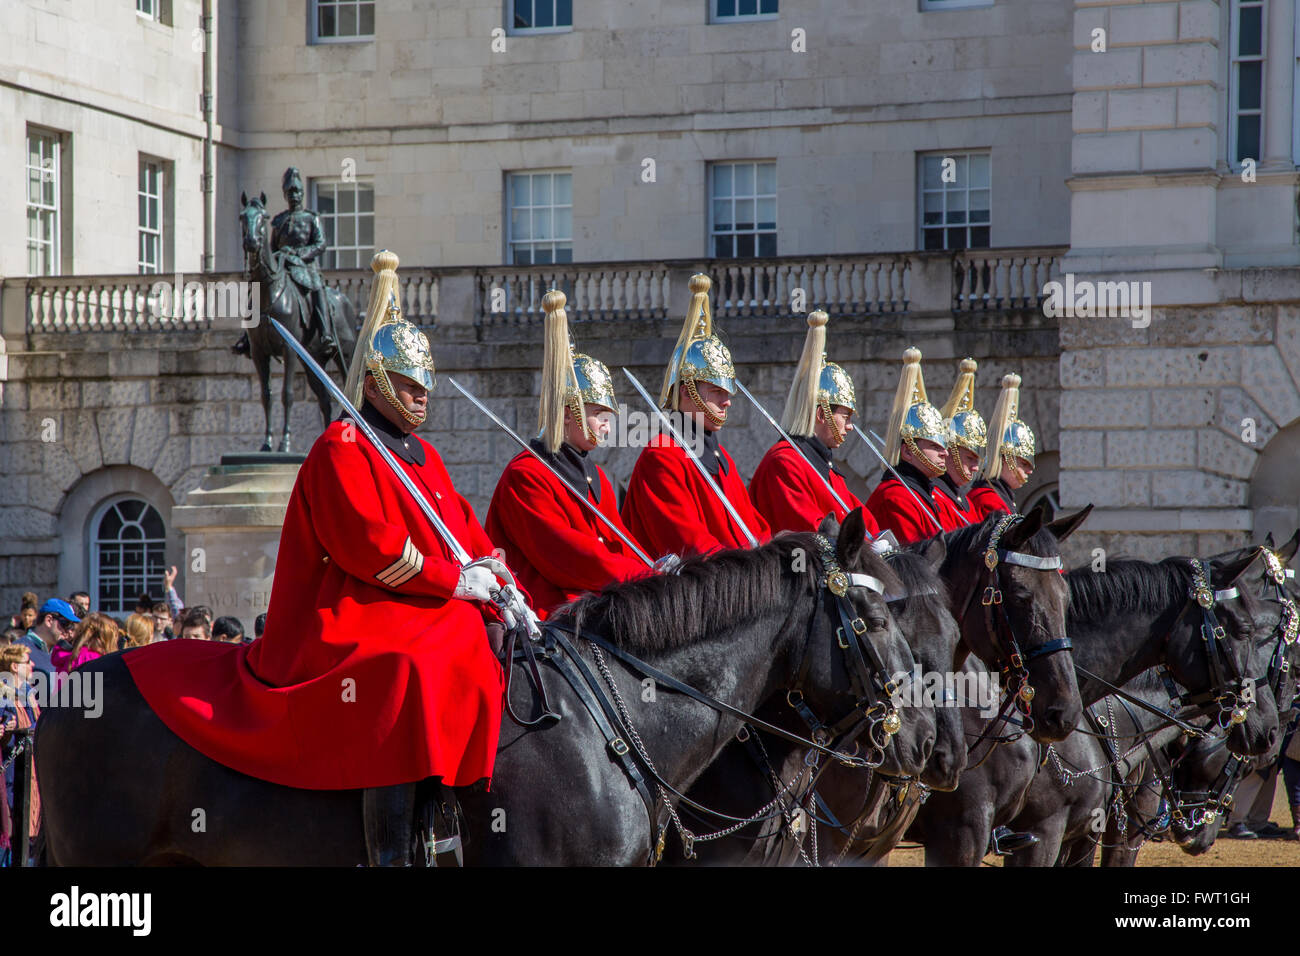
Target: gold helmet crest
1011	437
569	380
699	355
388	343
966	428
817	384
913	417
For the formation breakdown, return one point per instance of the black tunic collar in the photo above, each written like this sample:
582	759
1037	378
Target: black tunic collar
710	449
407	447
817	453
919	482
572	465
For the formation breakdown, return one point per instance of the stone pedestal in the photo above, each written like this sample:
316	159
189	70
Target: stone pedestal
232	523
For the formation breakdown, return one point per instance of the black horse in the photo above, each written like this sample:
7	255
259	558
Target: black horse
739	625
733	626
855	814
1124	621
281	300
760	768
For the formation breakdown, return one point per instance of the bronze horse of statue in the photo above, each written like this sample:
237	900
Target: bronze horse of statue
281	299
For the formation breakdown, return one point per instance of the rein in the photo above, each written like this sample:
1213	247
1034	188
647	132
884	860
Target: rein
874	711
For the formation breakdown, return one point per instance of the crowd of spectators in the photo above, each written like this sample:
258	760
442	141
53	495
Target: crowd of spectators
56	637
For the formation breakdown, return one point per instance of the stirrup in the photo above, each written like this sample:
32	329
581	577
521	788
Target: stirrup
1004	841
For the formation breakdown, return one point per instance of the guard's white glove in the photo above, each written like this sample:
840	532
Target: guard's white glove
668	564
476	583
516	611
884	543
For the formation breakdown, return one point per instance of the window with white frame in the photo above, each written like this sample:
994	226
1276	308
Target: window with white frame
1246	91
732	10
540	16
127	549
540	224
347	217
147	8
955	201
42	203
149	194
341	21
742	210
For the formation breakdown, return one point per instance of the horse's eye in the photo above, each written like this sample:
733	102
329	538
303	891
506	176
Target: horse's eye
877	623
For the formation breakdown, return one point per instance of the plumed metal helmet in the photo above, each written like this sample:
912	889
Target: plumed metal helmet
966	427
402	348
912	417
1018	441
595	386
1010	438
699	355
569	380
923	421
834	387
291	176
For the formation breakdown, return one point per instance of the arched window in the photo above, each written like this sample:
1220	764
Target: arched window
126	553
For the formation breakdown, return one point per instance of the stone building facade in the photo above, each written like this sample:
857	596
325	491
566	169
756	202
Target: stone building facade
1111	156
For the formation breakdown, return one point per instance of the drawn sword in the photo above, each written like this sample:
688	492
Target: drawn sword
582	498
690	453
890	468
781	431
964	519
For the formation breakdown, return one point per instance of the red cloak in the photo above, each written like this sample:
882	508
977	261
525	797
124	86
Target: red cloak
669	507
791	497
369	672
556	547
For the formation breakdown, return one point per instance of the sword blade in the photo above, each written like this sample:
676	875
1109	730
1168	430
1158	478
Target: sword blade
690	453
890	468
964	519
462	556
781	431
582	498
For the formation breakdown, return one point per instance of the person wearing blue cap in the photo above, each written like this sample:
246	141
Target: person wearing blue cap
56	619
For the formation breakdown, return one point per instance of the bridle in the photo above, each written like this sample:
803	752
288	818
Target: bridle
1009	660
874	712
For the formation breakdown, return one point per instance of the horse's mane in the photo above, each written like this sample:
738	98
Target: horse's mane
916	574
1126	585
708	594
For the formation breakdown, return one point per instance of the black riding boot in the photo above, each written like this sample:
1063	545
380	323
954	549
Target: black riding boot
388	814
329	345
241	347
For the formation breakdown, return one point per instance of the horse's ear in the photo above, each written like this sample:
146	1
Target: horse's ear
1268	541
1288	550
830	526
263	198
852	535
1223	574
1062	528
1023	530
1045	506
934	550
243	199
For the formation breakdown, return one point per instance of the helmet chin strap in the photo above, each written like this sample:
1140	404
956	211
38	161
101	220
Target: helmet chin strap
830	421
934	470
576	409
386	389
713	419
954	453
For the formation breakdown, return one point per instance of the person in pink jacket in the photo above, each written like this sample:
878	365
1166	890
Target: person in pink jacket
95	636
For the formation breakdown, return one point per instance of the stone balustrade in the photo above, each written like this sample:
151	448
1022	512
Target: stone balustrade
860	285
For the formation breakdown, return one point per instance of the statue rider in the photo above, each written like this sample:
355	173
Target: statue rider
297	234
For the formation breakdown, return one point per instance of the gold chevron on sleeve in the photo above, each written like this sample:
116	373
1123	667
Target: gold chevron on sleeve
404	568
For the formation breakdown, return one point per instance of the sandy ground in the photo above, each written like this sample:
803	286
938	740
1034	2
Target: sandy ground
1222	853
